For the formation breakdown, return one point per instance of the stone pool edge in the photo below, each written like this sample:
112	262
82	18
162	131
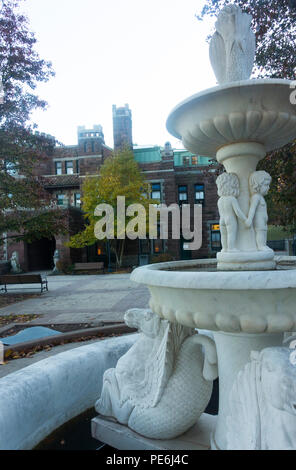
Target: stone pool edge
39	398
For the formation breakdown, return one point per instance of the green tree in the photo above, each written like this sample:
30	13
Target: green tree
274	24
26	210
119	176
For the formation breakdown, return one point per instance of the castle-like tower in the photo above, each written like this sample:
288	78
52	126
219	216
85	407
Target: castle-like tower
122	127
90	140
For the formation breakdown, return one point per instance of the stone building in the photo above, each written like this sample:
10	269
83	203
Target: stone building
176	176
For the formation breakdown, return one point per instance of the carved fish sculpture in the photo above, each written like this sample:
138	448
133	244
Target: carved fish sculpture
162	385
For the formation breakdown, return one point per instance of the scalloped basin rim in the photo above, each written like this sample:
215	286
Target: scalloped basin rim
156	275
232	85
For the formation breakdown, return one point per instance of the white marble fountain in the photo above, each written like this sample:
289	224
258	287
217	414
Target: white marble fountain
161	387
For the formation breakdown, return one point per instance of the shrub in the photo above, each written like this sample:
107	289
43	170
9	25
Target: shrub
65	267
163	258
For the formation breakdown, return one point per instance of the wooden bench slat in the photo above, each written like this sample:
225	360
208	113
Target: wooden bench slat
88	266
23	279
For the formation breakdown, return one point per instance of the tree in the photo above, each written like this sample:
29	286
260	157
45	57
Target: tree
274	24
26	211
119	176
281	199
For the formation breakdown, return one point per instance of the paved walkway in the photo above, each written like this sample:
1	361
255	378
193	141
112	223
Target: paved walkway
82	299
76	299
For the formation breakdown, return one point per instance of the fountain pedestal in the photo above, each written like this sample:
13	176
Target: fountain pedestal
234	352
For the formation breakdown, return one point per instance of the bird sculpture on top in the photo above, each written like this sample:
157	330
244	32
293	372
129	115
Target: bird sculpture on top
233	45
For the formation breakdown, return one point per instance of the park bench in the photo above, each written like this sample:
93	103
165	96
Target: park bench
23	279
89	266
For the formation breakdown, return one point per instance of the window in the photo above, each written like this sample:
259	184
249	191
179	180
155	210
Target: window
199	193
194	160
156	191
157	243
100	249
77	200
183	195
157	246
92	146
144	246
186	161
61	199
77	166
215	237
58	168
69	168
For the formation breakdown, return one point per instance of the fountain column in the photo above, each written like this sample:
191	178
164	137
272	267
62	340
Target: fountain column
241	159
234	351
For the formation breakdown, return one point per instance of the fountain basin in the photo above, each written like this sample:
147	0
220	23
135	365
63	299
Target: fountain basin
194	294
248	311
38	399
256	111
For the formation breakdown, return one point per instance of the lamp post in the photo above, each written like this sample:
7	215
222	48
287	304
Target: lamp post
109	256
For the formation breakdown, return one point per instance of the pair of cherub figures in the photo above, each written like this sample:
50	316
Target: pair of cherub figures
230	211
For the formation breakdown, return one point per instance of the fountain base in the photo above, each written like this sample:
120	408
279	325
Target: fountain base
121	437
246	260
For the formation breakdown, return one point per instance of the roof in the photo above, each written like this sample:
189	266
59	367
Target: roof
56	181
152	153
179	159
145	154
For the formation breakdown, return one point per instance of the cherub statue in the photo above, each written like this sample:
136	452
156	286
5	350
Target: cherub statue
259	185
14	262
229	210
263	403
162	385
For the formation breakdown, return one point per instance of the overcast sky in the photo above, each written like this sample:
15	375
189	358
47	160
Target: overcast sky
151	54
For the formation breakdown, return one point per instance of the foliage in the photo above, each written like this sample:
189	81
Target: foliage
274	24
65	267
162	258
277	232
281	199
119	176
25	207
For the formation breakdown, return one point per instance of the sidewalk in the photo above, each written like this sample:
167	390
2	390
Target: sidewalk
76	299
81	299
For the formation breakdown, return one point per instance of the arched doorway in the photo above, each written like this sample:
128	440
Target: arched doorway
40	254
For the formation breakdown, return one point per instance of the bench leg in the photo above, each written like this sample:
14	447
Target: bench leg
44	286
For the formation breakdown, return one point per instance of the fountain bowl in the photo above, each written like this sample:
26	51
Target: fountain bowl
194	294
258	111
